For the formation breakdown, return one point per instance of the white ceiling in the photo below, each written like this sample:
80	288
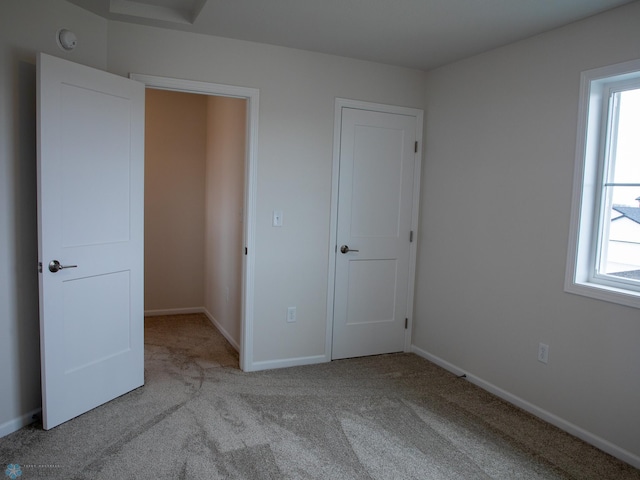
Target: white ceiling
420	34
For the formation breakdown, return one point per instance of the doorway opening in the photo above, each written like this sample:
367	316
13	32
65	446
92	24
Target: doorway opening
194	203
201	204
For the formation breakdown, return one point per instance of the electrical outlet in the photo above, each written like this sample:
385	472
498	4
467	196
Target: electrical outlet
543	353
277	218
291	314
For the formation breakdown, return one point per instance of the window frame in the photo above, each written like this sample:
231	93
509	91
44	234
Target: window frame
581	276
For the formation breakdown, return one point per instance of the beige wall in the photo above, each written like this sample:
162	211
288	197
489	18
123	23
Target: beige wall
295	148
224	247
500	148
175	159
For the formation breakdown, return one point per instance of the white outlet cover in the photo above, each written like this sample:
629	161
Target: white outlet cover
543	353
277	218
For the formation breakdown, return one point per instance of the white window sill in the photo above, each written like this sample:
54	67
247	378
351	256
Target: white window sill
607	293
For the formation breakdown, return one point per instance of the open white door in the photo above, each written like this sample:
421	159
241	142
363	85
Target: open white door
375	207
90	221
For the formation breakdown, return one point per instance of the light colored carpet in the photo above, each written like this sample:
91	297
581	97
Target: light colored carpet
386	417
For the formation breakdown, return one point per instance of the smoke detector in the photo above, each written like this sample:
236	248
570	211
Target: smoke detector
66	39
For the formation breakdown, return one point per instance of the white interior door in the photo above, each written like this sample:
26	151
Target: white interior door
375	198
90	220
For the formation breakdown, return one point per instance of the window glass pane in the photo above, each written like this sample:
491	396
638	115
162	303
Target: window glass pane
620	247
626	167
619	242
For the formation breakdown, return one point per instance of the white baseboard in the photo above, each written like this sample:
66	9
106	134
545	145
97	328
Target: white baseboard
288	362
221	329
173	311
17	423
549	417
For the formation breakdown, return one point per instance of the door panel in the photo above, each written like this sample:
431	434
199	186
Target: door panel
377	182
372	287
102	183
96	307
375	198
90	219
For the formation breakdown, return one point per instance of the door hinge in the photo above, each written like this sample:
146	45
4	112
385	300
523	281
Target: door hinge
415	148
406	323
39	267
411	236
245	250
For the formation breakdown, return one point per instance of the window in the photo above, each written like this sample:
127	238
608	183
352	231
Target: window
604	248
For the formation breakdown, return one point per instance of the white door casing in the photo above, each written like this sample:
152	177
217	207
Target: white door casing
252	96
375	215
90	214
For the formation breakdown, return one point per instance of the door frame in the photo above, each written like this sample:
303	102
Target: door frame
341	103
250	189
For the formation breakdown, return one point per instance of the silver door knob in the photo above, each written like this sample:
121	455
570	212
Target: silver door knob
346	249
54	266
